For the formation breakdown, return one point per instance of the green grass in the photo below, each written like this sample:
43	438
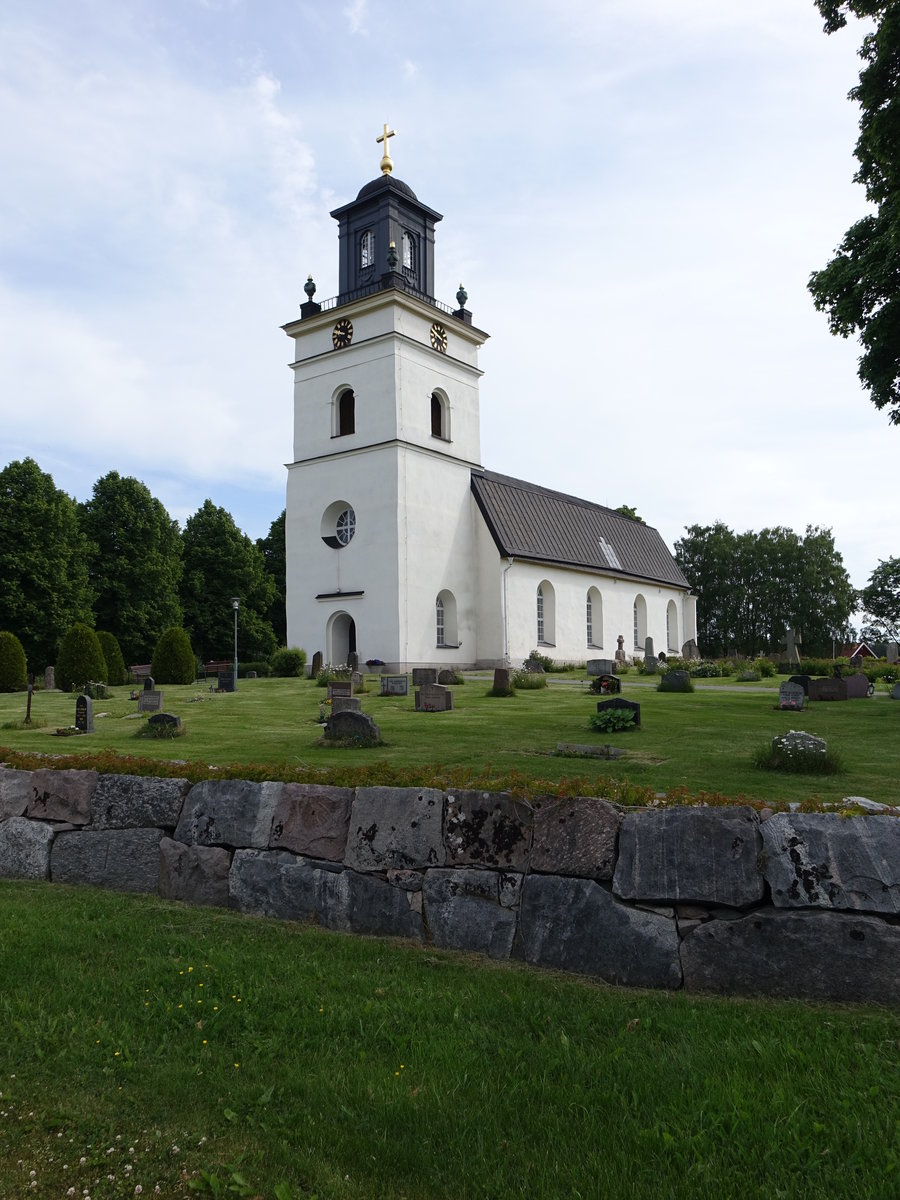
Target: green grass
198	1044
702	742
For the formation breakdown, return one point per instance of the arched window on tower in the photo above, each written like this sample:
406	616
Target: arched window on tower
367	249
346	413
440	416
410	257
446	631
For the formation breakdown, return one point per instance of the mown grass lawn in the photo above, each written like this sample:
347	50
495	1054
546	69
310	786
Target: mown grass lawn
703	742
146	1045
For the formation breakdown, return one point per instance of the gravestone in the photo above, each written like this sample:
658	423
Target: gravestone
346	704
356	679
149	684
675	681
895	692
84	714
650	663
446	677
791	695
893	652
857	686
395	685
166	722
797	740
501	679
620	652
792	642
828	689
600	666
803	681
253	675
339	687
49	679
352	726
608	684
353	660
150	701
431	697
316	665
626	705
690	650
422	675
225	681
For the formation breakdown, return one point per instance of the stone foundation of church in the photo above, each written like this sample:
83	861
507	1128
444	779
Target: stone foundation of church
705	899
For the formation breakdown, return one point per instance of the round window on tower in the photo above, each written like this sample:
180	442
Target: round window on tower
338	524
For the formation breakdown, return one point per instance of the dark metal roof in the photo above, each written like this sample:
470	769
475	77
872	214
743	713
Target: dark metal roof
534	523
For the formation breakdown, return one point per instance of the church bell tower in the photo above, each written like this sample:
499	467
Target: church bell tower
380	538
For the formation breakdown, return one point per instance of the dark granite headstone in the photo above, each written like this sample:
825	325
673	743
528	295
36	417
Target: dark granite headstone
675	681
165	722
651	662
84	714
446	677
316	665
355	726
828	689
353	660
150	701
226	681
395	685
149	684
422	675
803	681
857	686
431	697
621	702
501	679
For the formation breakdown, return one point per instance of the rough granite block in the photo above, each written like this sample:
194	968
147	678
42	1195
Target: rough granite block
194	874
136	802
395	827
126	860
228	812
25	848
576	837
61	796
487	829
312	820
464	911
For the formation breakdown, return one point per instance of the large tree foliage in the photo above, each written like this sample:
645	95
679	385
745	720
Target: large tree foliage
881	600
135	563
752	587
272	550
221	562
860	287
44	585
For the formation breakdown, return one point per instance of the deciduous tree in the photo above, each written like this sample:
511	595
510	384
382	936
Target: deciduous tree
860	287
135	563
44	585
272	549
221	562
881	600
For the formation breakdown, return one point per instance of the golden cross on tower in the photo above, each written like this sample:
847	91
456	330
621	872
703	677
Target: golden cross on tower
387	164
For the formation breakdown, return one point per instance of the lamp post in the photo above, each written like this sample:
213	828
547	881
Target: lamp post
235	604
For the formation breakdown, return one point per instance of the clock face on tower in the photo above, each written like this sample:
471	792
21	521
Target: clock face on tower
439	337
342	334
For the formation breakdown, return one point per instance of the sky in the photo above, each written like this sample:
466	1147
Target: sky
634	194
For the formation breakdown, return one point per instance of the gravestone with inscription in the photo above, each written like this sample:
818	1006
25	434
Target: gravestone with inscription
620	651
351	727
339	687
501	679
345	704
690	650
803	681
651	665
625	705
225	681
149	684
353	660
150	701
857	686
600	666
84	714
395	685
356	678
49	679
676	681
828	689
791	695
422	675
432	697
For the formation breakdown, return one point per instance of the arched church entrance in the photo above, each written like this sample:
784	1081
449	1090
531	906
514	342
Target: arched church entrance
340	638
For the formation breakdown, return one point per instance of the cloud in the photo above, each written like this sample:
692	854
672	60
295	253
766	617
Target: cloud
355	12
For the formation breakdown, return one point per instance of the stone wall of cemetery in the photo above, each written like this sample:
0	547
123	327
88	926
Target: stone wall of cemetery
708	899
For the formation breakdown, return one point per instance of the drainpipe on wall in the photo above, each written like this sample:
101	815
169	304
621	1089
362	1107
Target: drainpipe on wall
506	612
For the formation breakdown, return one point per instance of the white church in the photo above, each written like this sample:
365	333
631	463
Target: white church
401	546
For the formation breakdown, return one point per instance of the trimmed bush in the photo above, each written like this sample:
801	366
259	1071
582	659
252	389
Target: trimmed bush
538	662
173	659
80	659
288	662
116	671
13	668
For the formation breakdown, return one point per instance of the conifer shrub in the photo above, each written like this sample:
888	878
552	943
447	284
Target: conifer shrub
288	662
116	672
173	659
80	659
13	668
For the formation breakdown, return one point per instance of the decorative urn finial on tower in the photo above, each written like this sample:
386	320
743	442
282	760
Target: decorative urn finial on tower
310	308
387	163
462	313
